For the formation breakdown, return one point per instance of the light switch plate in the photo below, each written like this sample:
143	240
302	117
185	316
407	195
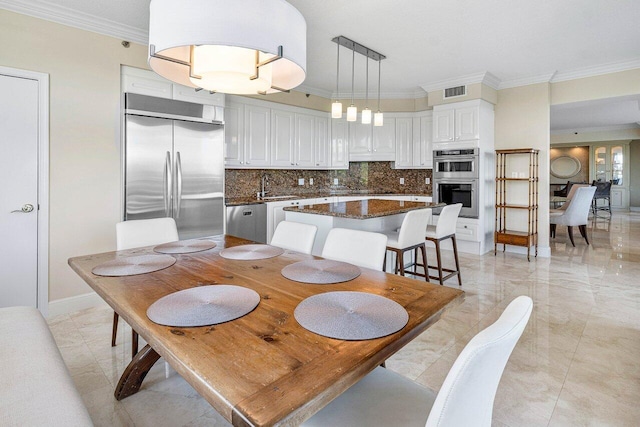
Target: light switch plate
300	181
427	181
335	181
310	181
401	181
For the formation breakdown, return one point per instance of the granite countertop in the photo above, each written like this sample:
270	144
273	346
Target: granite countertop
363	209
236	201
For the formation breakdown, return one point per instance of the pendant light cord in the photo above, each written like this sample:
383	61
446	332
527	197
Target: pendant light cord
338	74
366	103
379	65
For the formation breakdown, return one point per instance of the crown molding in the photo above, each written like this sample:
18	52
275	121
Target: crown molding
525	81
73	18
612	67
485	78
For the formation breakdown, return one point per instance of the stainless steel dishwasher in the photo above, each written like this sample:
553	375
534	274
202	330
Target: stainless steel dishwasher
248	221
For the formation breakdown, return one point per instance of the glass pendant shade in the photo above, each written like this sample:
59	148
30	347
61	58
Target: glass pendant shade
336	110
378	119
352	113
212	44
366	116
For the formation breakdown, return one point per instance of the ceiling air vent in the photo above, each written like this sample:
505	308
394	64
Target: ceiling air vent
452	92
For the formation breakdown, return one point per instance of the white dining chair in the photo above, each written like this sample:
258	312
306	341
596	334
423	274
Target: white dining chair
385	398
576	214
294	236
565	205
135	234
361	248
410	236
445	229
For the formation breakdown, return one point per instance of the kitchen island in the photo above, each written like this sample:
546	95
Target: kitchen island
369	215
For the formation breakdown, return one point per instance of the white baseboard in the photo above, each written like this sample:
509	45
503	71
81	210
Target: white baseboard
634	208
71	304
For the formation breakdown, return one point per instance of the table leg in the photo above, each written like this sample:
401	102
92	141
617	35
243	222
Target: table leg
134	374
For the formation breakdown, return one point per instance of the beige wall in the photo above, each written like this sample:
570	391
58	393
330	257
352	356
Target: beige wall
596	87
84	186
522	121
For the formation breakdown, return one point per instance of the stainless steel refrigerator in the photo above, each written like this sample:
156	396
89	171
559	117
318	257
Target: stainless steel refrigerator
174	164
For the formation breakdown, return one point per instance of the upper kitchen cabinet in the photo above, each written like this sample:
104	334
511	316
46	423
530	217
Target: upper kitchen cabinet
413	142
460	121
322	146
372	143
145	82
257	136
282	138
339	144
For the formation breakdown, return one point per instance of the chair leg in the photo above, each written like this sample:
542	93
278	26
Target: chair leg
439	259
114	330
400	256
583	232
134	343
423	248
384	262
570	230
552	230
455	255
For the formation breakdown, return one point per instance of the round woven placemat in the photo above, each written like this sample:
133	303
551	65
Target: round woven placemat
351	315
132	265
204	305
251	252
185	246
321	271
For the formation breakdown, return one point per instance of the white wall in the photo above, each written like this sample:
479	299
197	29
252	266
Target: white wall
84	71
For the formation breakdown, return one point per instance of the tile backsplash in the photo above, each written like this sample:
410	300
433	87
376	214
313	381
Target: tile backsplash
372	177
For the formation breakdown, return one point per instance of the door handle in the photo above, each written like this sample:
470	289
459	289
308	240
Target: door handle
167	185
178	184
25	209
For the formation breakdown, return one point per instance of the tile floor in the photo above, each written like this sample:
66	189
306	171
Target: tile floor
577	362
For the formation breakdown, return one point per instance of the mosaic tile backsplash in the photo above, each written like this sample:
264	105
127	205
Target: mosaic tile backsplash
365	177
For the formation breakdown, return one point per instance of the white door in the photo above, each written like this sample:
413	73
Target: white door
19	200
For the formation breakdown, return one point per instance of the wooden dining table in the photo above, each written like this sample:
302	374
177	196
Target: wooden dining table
263	368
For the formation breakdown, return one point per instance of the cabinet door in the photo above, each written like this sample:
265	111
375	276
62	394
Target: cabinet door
304	142
443	126
257	125
384	138
466	123
189	94
159	88
322	143
404	142
339	144
234	135
359	138
422	147
282	138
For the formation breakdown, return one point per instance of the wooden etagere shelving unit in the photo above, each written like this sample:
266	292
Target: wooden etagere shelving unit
510	182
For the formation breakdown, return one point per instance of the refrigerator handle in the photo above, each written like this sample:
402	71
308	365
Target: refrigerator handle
167	185
178	184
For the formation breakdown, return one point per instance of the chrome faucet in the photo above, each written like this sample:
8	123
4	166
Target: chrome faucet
263	187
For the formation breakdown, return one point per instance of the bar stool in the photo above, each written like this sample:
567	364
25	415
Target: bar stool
410	237
446	229
294	236
134	234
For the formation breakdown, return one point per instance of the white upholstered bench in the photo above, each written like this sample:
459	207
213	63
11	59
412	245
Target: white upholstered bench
35	386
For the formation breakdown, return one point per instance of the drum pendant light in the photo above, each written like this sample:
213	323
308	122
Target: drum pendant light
336	107
229	46
352	111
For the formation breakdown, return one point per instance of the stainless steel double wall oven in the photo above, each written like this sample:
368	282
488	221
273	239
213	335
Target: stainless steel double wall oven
455	178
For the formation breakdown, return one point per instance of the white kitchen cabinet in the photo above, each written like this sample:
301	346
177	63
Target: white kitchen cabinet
404	143
282	138
305	141
339	144
257	136
453	123
322	143
234	135
422	146
275	213
372	143
189	94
